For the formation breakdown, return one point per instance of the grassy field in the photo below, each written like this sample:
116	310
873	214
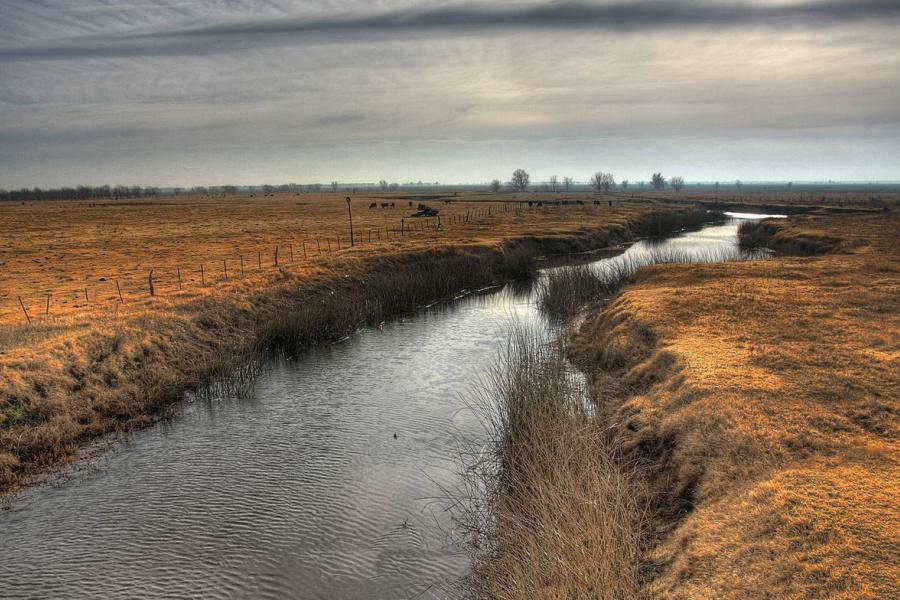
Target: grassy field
92	366
761	401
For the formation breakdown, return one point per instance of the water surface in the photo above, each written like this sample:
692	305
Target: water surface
328	482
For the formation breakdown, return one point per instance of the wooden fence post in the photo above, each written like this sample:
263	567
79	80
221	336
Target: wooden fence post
150	281
47	307
22	304
202	276
86	295
291	248
242	265
225	267
118	289
259	260
304	250
276	255
178	270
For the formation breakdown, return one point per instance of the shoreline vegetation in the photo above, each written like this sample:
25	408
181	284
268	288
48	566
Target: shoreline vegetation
748	417
60	391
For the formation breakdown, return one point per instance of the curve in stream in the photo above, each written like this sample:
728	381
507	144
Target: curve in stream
300	491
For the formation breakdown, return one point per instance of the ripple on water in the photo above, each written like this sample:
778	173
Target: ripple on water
301	491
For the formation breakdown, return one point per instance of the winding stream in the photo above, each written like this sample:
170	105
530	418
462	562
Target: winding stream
300	491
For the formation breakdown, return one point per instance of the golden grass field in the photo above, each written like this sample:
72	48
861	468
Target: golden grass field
762	400
758	402
89	367
68	248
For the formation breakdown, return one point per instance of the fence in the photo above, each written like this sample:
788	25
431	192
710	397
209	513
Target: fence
32	306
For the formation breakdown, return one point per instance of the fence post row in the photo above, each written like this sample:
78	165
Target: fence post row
420	224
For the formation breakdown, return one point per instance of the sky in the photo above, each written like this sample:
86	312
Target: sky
183	93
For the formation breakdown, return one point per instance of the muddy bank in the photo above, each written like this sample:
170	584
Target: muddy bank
122	373
760	400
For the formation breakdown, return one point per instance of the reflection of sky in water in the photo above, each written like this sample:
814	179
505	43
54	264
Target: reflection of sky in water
300	491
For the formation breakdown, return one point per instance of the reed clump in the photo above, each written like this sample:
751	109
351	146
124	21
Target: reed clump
549	511
790	238
567	290
392	288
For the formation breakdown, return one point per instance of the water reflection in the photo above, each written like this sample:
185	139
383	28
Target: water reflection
326	483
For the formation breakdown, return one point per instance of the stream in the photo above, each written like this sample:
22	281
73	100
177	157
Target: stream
329	481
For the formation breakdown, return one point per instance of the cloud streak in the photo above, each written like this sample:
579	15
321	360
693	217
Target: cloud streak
624	17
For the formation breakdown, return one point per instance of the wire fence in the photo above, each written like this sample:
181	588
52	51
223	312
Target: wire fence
30	307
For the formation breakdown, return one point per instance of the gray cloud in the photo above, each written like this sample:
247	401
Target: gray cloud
645	15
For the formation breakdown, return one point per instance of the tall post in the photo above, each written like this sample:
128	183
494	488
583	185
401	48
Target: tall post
350	214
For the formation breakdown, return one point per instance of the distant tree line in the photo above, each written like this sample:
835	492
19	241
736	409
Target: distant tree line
82	192
600	182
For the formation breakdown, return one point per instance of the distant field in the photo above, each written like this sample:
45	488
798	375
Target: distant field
76	251
73	249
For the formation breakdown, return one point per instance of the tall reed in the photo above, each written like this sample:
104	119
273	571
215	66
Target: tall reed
548	511
565	291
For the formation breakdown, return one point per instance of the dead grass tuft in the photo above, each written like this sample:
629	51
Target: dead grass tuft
551	513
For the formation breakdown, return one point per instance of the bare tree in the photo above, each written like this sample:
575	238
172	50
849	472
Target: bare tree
495	186
383	184
717	186
567	183
520	180
554	183
658	181
601	181
624	184
677	183
334	186
738	184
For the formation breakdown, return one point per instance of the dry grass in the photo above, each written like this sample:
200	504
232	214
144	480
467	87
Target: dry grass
762	400
552	514
63	248
84	371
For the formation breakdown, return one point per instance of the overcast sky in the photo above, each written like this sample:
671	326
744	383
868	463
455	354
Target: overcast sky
169	92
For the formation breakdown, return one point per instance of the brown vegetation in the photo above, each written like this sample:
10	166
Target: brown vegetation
551	513
761	399
89	368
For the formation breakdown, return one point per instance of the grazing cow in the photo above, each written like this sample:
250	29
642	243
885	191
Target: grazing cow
557	202
410	203
392	205
580	202
384	205
530	204
446	202
596	203
373	205
540	204
610	202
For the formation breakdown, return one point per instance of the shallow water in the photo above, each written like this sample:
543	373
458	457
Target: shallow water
300	491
